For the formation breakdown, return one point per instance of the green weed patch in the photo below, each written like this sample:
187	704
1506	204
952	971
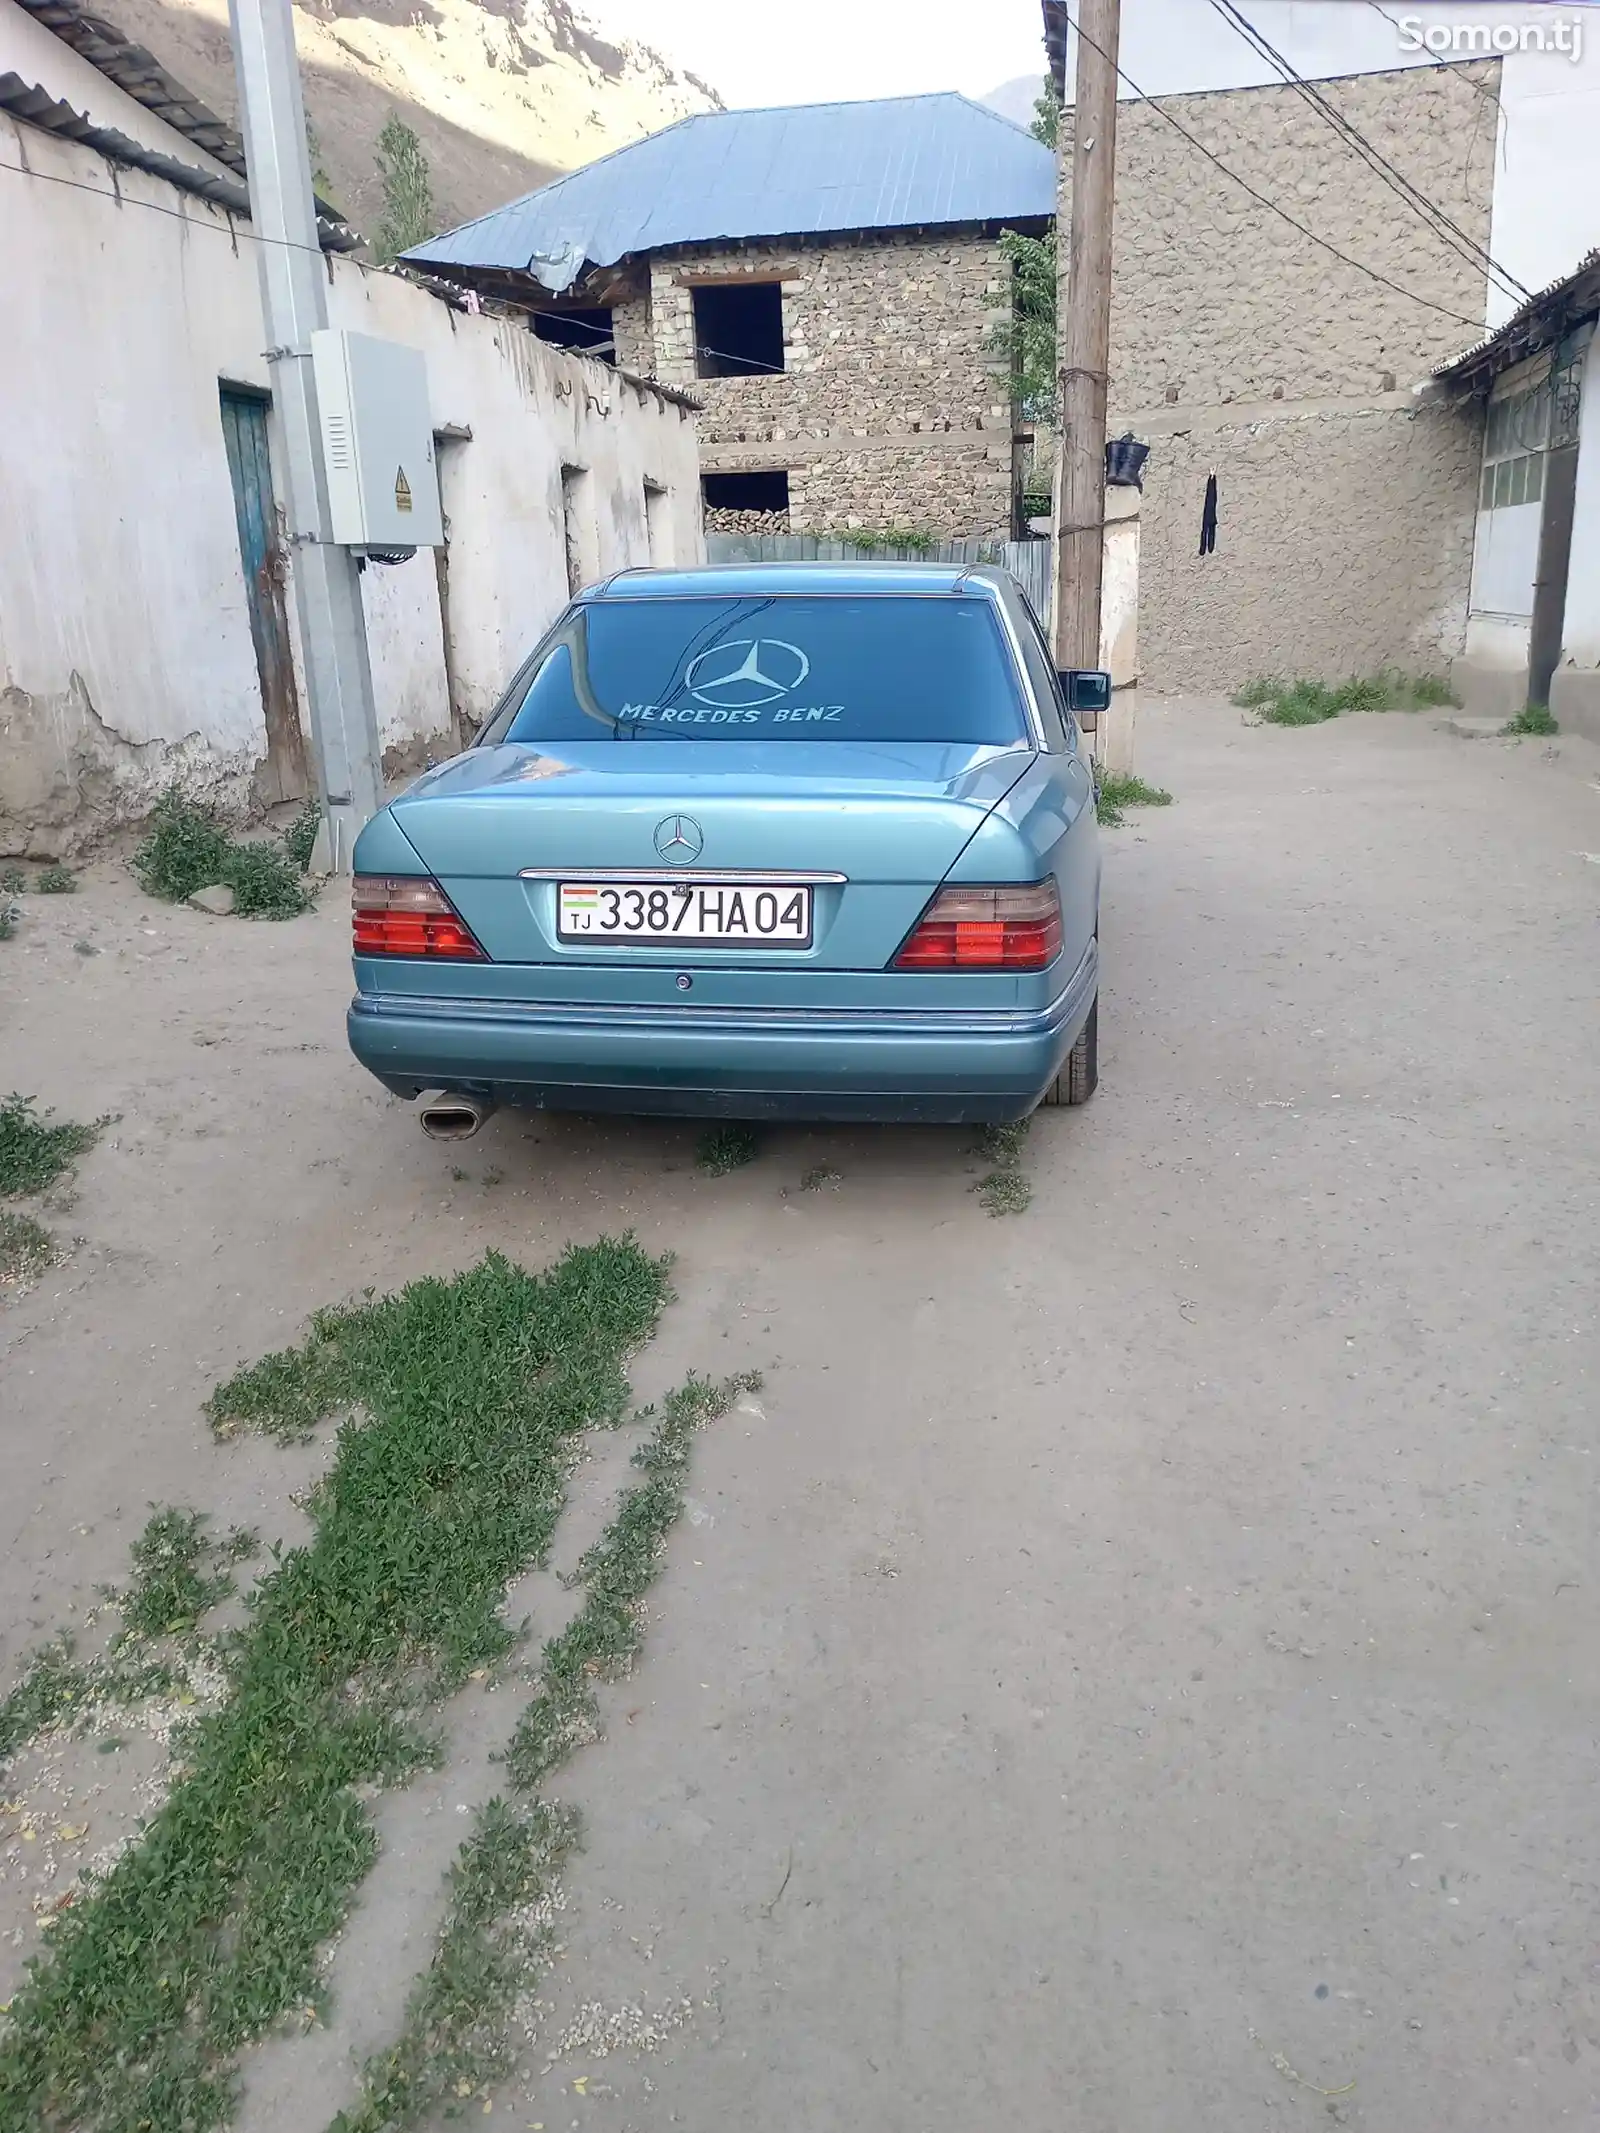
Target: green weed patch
1119	790
460	1402
33	1153
187	849
1313	703
497	1928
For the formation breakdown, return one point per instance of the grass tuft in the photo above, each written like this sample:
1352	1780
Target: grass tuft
57	881
1263	690
177	1573
26	1250
9	914
1313	703
1432	690
727	1148
265	882
12	881
300	838
187	849
599	1642
1121	789
462	1399
1005	1190
51	1683
55	1687
880	540
33	1153
1534	719
497	1927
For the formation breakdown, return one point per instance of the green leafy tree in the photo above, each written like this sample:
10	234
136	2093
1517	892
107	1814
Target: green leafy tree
1025	343
407	190
1046	114
319	171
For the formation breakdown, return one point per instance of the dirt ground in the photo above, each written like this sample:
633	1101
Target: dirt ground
1137	1664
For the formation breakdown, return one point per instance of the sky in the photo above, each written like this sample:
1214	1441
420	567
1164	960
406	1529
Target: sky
756	53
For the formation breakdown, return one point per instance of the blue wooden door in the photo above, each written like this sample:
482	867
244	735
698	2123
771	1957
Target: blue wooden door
283	776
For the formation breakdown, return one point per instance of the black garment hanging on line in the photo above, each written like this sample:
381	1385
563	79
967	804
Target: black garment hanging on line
1208	517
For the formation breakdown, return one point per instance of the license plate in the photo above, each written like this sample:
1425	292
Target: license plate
734	914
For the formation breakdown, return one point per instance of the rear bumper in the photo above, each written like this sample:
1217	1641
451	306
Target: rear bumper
834	1063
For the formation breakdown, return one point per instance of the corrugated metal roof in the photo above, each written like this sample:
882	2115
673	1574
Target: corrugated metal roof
1057	24
140	75
1535	325
899	162
41	109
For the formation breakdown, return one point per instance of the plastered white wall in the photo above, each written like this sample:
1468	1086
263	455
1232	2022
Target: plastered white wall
1581	634
125	652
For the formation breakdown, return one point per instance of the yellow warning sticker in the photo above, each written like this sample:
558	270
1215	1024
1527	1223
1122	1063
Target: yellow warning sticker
402	490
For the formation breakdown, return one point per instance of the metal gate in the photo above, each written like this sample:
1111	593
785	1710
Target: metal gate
1027	561
283	776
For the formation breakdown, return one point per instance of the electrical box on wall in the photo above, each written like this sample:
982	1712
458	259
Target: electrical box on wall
377	442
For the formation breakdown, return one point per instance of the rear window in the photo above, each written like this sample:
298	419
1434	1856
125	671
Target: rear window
897	667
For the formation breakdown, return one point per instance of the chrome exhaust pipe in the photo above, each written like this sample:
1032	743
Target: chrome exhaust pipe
454	1116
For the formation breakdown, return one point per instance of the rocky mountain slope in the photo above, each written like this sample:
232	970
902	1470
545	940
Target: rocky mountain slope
1016	98
502	94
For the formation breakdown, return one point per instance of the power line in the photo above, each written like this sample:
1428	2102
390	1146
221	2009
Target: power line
1434	60
178	214
754	367
1443	225
1272	206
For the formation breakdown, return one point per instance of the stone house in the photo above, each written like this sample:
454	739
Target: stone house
1277	314
823	279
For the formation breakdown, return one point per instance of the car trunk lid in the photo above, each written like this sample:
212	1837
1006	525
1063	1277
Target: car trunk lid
498	827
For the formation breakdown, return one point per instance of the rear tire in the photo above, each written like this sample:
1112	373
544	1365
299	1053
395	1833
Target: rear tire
1080	1070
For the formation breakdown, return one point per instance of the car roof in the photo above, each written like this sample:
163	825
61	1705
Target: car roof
742	580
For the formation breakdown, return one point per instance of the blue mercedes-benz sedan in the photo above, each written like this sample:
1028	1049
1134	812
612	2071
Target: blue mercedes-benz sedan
803	842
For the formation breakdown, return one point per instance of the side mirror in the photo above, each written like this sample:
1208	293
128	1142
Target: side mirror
1088	692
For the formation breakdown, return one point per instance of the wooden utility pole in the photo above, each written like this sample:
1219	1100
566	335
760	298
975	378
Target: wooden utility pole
1085	340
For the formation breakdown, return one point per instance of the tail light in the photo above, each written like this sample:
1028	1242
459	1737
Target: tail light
406	914
1003	928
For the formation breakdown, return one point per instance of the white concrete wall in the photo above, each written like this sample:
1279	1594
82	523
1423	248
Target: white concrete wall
125	652
1581	645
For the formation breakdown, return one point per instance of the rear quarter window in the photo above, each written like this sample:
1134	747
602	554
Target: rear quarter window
873	667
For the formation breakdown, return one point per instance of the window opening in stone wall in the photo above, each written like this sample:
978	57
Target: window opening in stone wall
574	503
590	330
738	330
747	503
657	527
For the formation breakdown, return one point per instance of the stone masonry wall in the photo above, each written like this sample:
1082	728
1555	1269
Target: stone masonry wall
719	519
888	411
1345	537
630	325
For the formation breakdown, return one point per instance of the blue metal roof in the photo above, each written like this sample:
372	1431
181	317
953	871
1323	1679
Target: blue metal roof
898	162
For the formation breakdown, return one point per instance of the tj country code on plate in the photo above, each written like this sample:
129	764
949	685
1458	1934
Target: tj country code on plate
735	914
